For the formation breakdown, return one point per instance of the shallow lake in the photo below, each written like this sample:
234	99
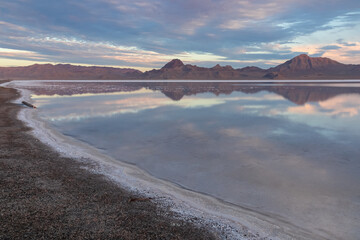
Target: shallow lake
288	151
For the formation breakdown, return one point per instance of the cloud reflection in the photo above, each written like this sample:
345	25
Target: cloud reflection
99	105
110	104
340	106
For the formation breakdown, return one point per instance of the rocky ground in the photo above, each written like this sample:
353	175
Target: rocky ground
46	196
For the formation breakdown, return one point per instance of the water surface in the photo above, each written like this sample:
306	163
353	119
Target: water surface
288	151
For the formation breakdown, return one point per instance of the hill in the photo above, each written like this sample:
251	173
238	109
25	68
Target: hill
66	72
300	67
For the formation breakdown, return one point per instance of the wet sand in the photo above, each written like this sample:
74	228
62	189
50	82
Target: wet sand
46	196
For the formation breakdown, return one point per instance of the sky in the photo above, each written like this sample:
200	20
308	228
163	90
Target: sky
147	34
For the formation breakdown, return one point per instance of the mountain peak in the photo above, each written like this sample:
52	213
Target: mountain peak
174	64
302	56
304	62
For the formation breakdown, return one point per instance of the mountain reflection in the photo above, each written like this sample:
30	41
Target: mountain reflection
176	91
324	103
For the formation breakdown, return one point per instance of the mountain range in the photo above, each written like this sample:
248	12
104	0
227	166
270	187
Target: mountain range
299	95
300	67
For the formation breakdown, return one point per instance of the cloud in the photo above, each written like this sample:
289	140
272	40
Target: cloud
330	47
19	54
160	29
10	26
232	132
342	42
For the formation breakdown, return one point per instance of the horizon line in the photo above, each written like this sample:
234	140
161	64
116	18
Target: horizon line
145	69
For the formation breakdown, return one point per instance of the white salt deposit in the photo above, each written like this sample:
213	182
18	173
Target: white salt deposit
231	221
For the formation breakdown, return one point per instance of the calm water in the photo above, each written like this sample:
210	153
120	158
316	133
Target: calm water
291	152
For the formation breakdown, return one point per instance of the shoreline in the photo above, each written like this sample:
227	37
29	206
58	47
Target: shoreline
131	178
187	204
49	196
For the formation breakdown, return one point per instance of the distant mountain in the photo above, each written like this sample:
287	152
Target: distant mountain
305	67
300	67
175	63
176	69
67	71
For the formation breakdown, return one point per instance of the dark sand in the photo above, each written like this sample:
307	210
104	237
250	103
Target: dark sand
46	196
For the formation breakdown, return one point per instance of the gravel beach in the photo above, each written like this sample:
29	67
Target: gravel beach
46	196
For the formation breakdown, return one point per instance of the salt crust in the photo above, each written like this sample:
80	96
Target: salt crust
227	220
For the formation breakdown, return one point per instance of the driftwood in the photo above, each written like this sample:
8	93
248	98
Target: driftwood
28	104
